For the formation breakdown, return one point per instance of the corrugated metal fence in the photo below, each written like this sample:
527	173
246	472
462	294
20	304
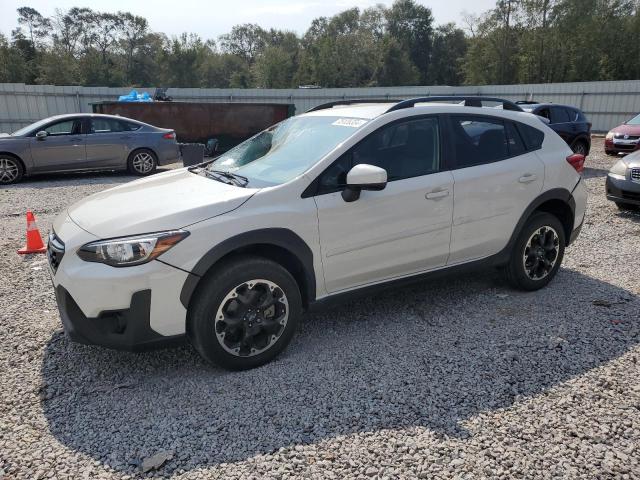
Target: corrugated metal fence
606	104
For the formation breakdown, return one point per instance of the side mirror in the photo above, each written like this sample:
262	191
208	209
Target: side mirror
41	135
363	177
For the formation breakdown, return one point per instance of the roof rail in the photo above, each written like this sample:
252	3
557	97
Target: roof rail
336	103
469	101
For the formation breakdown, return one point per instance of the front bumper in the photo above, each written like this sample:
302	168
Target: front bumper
130	308
125	329
622	190
625	147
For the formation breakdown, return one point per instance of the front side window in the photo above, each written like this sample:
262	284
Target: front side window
559	115
68	127
478	140
286	150
404	149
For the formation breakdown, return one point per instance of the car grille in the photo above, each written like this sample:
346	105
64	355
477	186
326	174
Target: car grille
55	251
625	147
635	174
628	137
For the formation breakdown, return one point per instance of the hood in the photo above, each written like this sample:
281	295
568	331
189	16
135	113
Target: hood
5	135
160	202
627	129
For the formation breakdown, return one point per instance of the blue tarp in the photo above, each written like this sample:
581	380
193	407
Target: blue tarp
134	96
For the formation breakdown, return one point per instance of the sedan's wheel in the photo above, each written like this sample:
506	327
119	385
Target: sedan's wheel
244	312
11	170
537	253
142	162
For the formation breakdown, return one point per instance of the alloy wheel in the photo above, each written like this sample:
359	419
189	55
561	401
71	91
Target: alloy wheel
251	317
143	162
9	170
541	252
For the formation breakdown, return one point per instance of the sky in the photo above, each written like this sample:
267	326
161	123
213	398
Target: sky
213	18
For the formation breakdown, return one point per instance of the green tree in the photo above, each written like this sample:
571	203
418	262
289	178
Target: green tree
411	24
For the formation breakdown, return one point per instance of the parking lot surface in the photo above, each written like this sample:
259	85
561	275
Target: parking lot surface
458	378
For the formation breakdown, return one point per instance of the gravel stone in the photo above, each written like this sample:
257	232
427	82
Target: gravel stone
462	378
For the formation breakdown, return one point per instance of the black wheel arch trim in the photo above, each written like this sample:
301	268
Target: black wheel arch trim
277	237
561	194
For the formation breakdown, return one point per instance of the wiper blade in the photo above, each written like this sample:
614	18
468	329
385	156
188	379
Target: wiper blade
234	178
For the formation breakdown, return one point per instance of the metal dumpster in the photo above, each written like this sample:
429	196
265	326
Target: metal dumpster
196	122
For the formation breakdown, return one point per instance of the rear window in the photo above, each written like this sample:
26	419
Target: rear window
130	126
531	136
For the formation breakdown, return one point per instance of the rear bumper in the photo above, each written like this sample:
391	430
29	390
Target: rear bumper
124	329
622	190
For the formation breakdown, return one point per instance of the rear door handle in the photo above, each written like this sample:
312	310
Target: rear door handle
436	194
528	178
125	137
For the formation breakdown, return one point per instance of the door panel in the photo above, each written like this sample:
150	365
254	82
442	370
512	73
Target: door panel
384	234
107	143
62	149
495	180
403	229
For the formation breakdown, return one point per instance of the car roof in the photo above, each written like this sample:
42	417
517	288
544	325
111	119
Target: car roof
531	106
370	111
93	115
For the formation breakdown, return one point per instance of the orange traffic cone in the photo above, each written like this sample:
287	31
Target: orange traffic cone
34	240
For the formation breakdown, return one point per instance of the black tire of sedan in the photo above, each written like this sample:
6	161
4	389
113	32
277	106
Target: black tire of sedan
537	253
11	170
142	162
626	207
244	313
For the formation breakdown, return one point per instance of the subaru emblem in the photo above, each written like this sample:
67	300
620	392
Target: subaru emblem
626	137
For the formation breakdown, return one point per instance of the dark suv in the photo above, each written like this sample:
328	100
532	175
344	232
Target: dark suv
567	121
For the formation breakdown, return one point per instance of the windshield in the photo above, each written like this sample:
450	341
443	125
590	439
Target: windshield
28	128
286	150
634	121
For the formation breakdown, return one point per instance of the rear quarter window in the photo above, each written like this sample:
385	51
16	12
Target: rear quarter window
531	136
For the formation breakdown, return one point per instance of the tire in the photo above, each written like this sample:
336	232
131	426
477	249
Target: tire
580	147
626	207
534	272
11	170
142	162
227	305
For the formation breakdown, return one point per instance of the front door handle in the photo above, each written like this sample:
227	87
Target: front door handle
528	178
436	194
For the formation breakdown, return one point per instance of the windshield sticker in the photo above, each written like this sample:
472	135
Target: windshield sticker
349	122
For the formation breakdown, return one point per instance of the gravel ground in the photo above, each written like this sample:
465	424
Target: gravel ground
464	378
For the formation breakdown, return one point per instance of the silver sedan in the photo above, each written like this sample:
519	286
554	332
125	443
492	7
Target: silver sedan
85	142
623	182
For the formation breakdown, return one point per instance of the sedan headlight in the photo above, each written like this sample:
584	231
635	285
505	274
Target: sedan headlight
619	170
610	135
129	251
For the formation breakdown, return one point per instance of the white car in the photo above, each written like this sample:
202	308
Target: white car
342	198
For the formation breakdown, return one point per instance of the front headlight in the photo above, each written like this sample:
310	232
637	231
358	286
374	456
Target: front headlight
619	170
610	135
129	251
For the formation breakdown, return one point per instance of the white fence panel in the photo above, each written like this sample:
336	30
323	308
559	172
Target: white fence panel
606	104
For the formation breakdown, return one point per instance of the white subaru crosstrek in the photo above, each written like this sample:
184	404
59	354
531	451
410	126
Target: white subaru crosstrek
345	197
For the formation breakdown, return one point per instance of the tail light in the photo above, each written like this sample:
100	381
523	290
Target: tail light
576	161
169	136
